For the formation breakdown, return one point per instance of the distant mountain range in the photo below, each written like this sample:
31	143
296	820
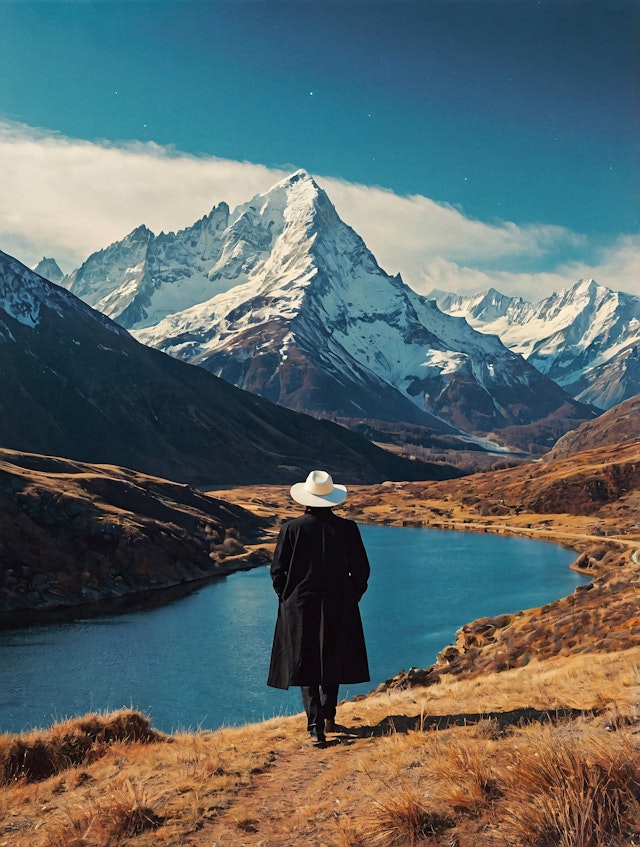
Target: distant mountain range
76	384
586	338
281	298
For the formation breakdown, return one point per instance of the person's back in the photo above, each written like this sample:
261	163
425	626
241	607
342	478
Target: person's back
319	572
325	548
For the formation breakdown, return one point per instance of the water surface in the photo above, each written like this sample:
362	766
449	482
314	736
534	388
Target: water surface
202	660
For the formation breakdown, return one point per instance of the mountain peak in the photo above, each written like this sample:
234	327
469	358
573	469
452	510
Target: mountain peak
585	291
299	185
288	302
294	208
586	284
140	233
299	176
215	221
49	269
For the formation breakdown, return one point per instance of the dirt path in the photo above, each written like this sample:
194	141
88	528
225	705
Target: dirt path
294	800
313	794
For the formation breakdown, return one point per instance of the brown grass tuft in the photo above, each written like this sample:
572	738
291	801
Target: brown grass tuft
41	754
403	817
124	813
462	775
570	788
127	811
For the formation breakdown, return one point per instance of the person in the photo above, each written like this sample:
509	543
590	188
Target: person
320	570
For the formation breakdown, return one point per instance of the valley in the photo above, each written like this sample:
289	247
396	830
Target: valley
391	242
437	753
502	736
428	421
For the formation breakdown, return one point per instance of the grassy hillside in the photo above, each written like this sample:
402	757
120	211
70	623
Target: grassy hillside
545	755
75	537
525	732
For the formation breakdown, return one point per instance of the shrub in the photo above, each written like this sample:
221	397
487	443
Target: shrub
40	754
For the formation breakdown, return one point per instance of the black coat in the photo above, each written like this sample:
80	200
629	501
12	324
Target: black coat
320	571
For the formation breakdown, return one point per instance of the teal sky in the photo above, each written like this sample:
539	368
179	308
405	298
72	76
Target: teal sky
510	110
514	109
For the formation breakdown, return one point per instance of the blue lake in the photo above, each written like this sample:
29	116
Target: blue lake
201	661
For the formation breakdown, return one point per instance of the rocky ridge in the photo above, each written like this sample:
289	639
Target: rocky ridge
77	384
79	538
282	298
616	426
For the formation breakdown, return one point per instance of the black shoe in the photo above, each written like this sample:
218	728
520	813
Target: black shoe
317	736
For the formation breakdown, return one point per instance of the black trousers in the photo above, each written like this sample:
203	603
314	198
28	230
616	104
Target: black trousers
319	703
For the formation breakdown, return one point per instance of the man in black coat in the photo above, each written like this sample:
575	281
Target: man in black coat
319	571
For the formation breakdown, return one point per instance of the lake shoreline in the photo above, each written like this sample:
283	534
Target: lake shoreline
202	660
482	503
138	601
150	598
414	505
385	504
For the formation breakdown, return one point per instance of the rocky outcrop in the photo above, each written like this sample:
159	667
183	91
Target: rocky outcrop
619	425
83	537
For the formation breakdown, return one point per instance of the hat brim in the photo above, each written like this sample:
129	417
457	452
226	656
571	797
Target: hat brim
301	495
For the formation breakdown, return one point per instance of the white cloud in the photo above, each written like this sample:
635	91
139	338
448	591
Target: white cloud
67	198
618	267
449	276
410	231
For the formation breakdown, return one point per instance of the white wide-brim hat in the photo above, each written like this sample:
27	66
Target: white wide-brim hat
318	490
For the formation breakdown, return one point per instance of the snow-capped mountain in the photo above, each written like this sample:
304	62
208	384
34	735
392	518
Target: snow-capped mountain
143	278
49	269
284	299
76	384
30	300
586	338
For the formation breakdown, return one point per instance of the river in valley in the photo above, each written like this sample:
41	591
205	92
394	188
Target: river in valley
201	661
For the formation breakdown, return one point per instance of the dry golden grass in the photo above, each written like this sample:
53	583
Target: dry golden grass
567	785
124	812
404	815
548	783
502	759
153	793
575	786
37	755
527	735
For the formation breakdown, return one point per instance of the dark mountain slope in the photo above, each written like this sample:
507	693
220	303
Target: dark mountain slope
76	384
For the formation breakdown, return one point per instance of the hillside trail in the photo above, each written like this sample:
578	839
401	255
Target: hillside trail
313	794
296	799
